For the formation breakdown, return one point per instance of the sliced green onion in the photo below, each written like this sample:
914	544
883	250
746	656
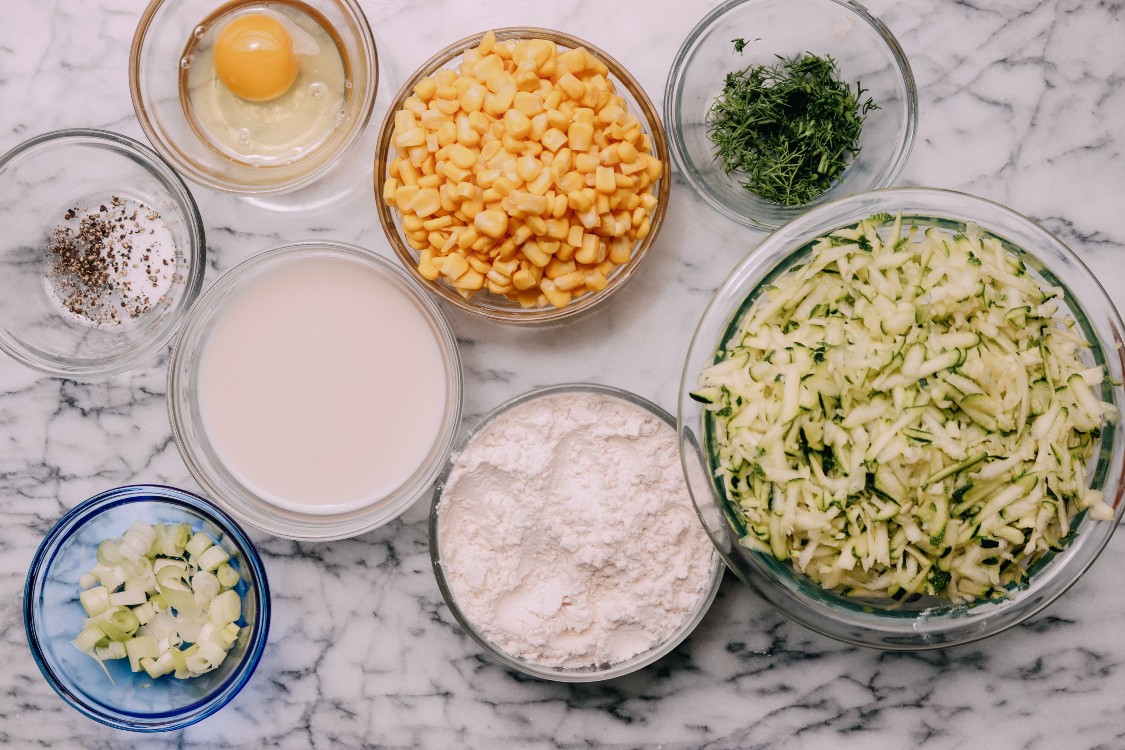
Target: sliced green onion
227	576
162	598
108	553
140	647
112	650
213	557
95	600
127	598
225	608
175	539
88	639
197	544
120	624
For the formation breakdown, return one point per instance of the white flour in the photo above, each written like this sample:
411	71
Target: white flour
567	534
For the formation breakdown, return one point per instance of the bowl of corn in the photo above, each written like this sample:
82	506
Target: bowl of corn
522	175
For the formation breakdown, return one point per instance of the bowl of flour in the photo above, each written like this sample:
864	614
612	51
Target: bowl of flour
563	537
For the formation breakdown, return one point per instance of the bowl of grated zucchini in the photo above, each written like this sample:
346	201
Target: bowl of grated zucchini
900	419
146	608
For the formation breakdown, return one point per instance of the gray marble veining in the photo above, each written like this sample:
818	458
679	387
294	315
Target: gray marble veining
1021	101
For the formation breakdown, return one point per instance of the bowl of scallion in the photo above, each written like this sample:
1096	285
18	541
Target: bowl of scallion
146	608
774	107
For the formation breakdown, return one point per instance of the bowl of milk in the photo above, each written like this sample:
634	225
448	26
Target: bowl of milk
314	391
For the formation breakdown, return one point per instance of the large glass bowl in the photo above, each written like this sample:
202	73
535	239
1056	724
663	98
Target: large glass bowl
155	59
223	482
865	51
53	615
483	303
927	623
559	674
40	181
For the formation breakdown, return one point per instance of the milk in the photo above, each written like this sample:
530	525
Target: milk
321	385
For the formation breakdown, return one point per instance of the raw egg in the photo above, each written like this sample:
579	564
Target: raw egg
254	57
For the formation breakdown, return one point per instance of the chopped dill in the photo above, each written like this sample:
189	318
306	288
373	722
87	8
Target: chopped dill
787	130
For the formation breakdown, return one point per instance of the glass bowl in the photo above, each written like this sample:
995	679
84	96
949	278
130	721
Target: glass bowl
561	674
53	615
929	622
497	307
863	48
41	181
157	60
239	495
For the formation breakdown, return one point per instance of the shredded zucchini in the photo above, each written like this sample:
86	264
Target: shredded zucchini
906	414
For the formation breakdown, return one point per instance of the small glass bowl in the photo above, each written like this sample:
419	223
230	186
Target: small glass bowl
863	48
40	181
558	674
929	622
236	495
496	307
158	47
52	614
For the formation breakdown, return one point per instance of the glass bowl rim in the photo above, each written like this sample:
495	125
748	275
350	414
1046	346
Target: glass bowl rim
71	523
169	151
650	117
700	186
201	469
779	252
561	674
89	368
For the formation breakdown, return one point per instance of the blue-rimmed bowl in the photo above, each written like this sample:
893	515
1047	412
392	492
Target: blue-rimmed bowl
53	615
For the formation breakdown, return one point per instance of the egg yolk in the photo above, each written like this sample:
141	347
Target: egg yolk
254	57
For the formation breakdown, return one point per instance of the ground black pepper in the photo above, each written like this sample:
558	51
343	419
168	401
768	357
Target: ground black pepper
98	268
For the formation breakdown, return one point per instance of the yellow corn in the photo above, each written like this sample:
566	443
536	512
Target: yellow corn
580	136
523	280
454	266
604	181
595	280
522	172
534	254
471	280
570	281
554	295
587	252
492	223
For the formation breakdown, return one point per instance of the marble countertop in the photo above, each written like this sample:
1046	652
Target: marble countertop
1021	101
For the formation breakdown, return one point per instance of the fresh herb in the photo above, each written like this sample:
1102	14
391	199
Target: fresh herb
739	44
788	129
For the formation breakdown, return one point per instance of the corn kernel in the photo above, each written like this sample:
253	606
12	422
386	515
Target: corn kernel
517	123
389	188
479	265
554	295
580	136
492	223
523	280
585	163
533	253
571	281
587	253
537	225
528	102
471	281
454	266
595	280
557	268
604	181
529	202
